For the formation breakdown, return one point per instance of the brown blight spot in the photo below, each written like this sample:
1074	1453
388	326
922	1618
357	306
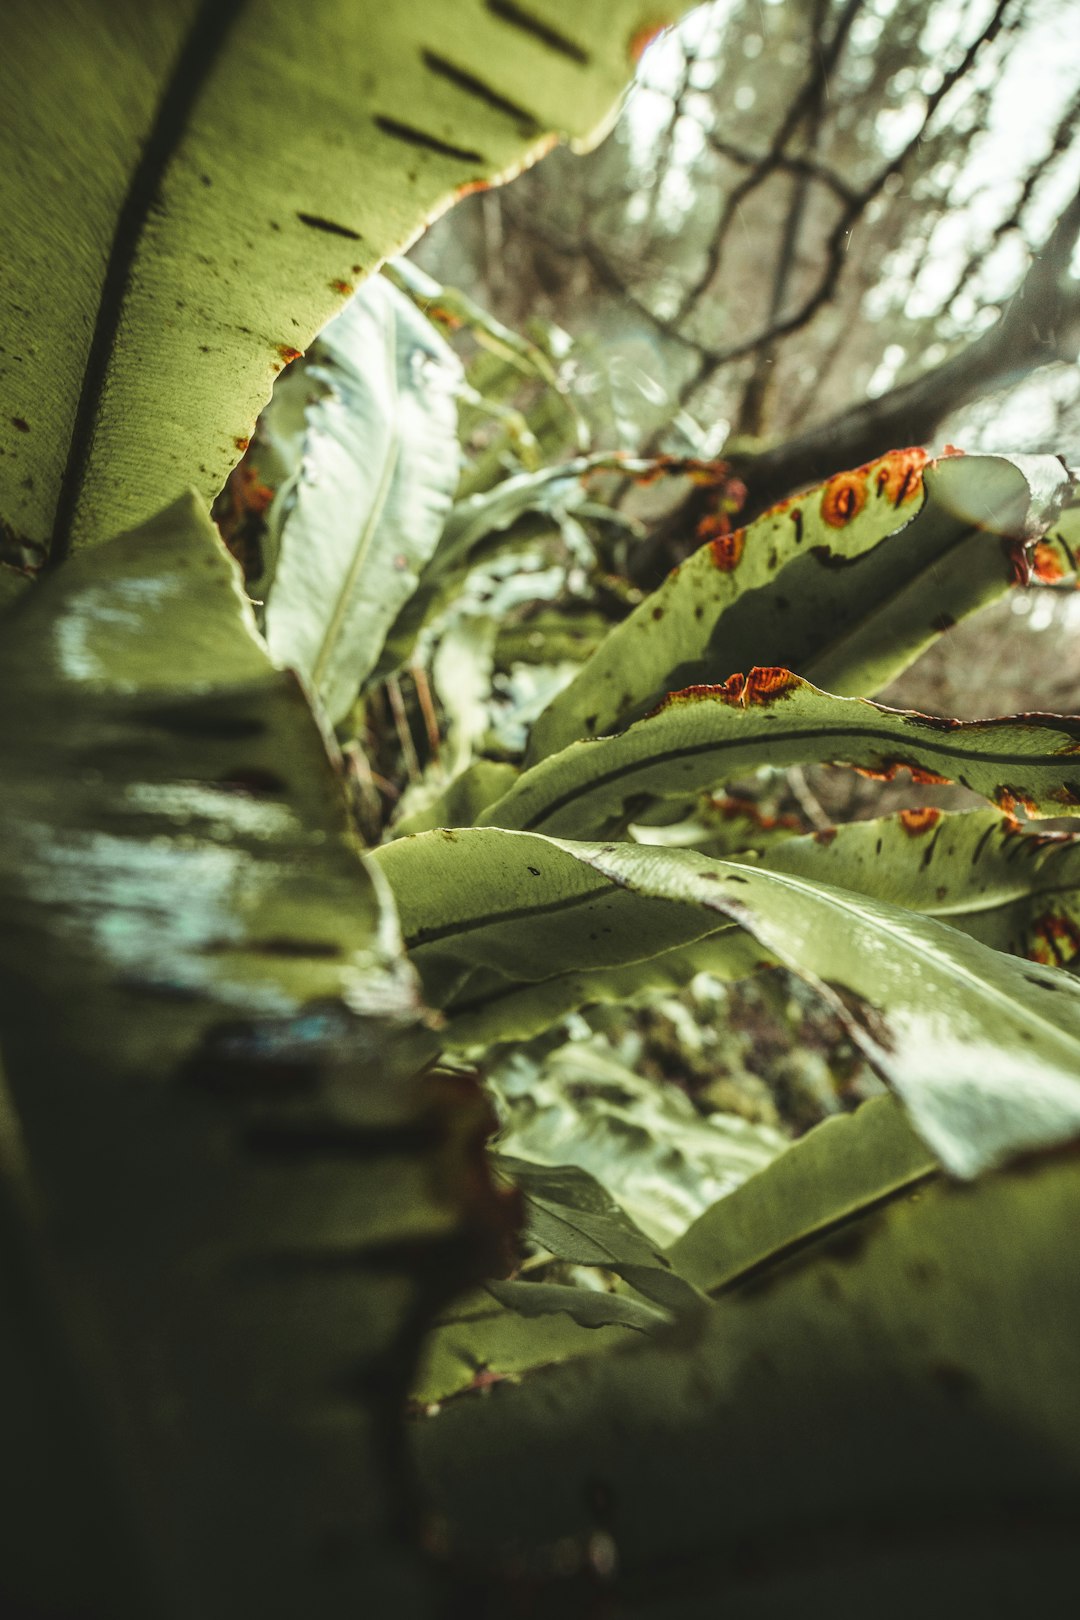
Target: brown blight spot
842	499
1011	799
345	288
288	353
1055	939
21	423
727	550
642	38
767	684
899	475
917	822
890	768
1046	563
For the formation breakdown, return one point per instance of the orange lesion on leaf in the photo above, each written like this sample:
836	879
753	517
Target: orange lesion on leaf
344	288
765	685
1055	939
732	807
727	550
889	769
642	38
898	477
288	353
917	822
1011	799
843	498
1047	564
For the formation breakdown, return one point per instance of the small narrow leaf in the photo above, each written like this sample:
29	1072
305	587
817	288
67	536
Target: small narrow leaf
349	534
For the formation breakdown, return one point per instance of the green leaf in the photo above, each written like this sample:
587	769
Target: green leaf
234	172
845	585
571	1215
349	533
838	1174
707	735
212	1043
838	1437
1012	887
983	1049
506	1329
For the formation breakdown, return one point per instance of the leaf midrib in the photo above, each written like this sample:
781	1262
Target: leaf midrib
192	68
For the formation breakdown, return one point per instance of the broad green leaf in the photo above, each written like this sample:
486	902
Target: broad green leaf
1013	888
212	1044
568	1213
983	1049
349	533
839	1173
886	1421
844	585
707	735
191	192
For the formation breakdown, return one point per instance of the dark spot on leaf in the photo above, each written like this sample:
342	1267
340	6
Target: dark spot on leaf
535	870
658	614
20	423
316	222
734	879
473	86
509	11
421	137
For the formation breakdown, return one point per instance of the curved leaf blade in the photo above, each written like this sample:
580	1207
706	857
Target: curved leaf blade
983	1049
844	585
234	170
928	1350
350	533
213	1045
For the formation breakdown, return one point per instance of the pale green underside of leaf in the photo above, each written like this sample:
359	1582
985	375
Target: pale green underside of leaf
230	174
211	1039
706	736
840	1435
378	464
847	604
983	1049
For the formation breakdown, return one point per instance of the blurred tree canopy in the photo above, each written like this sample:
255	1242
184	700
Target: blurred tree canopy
820	229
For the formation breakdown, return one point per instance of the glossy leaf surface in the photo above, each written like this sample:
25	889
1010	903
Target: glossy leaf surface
212	1043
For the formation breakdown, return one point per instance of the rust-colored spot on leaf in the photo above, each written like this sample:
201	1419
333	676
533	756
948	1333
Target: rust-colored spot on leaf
890	768
1019	562
917	822
469	188
642	38
843	498
1011	799
727	549
288	353
768	684
825	836
1055	939
899	475
1046	563
733	807
345	288
241	443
